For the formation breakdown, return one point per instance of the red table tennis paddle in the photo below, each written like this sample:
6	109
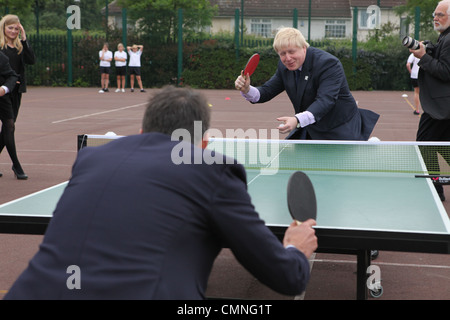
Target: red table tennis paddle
251	65
301	197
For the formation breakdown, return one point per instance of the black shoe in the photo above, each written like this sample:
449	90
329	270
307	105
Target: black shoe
142	90
132	90
416	113
1	174
19	175
441	196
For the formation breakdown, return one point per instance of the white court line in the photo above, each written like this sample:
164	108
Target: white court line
311	263
40	164
267	166
41	151
313	260
414	265
98	113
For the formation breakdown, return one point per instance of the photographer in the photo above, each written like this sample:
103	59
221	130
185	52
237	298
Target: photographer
434	83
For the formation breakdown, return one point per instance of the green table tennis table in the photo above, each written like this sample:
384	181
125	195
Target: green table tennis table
368	196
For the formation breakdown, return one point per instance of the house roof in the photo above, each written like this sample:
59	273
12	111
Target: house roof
113	7
285	8
383	3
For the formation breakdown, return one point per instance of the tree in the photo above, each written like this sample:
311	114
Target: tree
158	18
54	16
426	10
21	8
51	14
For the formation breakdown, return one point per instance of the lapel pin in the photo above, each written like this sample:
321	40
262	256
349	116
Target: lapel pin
306	77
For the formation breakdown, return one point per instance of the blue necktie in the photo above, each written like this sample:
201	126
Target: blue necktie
296	77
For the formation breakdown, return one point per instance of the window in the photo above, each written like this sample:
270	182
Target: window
404	27
261	27
335	29
370	18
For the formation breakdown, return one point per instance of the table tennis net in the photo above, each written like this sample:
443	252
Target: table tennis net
339	156
94	140
430	158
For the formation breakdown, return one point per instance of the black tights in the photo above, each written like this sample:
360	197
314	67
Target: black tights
7	140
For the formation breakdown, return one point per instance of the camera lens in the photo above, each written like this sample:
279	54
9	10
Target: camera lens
411	43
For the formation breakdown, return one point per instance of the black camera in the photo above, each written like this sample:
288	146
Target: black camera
413	44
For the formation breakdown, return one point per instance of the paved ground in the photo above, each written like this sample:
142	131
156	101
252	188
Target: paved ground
51	118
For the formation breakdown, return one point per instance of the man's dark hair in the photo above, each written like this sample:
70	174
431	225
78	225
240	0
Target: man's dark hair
176	108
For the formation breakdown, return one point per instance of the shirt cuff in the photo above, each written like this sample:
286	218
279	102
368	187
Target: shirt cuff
6	89
305	118
252	95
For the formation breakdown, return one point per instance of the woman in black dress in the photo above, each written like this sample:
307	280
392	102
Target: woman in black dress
14	44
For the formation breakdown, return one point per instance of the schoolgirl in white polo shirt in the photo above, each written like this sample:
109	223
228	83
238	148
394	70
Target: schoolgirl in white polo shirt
134	65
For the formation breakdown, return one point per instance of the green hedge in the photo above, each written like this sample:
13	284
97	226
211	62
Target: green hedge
206	64
215	66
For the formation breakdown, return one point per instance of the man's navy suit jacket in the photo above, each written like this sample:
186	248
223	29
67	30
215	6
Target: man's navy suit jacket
322	89
140	226
8	77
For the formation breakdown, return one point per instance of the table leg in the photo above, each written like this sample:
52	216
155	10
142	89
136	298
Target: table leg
363	262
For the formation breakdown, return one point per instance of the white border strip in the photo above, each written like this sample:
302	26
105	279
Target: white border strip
99	136
29	196
443	213
364	229
349	142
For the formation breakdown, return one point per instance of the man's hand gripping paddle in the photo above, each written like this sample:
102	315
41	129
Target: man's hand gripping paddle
251	65
301	197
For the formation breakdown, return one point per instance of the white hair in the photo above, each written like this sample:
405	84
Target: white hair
447	2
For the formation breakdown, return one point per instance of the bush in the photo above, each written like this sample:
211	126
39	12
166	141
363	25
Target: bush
210	63
214	65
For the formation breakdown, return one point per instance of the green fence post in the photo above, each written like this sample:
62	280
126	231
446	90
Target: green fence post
180	44
106	19
417	24
236	32
355	37
295	18
309	21
124	40
36	14
242	22
69	56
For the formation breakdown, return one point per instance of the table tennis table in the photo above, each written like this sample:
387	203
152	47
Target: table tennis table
368	196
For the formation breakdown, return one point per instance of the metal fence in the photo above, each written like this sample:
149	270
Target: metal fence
52	56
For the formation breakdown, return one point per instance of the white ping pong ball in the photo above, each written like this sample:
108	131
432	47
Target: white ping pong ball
281	125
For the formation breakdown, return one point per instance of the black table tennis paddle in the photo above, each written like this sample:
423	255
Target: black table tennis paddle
301	197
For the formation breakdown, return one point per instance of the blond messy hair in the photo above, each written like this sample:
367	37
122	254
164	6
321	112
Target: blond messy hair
286	37
6	21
